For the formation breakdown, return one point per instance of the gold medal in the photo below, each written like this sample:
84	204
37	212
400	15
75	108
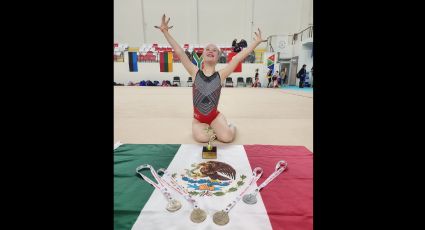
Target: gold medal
198	215
174	205
221	218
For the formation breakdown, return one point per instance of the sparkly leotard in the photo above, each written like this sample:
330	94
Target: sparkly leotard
206	94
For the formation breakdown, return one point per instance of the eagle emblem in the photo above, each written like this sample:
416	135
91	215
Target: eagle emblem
210	178
213	169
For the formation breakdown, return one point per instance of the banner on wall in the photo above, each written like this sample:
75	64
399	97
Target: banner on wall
259	53
197	60
230	57
270	59
133	49
132	61
166	62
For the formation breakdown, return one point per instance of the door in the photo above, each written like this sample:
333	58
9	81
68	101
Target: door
285	66
293	71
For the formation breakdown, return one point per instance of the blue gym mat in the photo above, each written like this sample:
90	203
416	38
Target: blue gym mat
296	88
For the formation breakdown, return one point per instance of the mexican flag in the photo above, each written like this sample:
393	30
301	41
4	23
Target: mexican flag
285	203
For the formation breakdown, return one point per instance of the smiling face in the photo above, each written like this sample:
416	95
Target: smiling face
211	54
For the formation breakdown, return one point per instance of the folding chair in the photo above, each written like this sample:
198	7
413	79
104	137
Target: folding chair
176	79
229	82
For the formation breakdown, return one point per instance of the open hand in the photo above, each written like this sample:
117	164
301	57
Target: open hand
164	24
258	36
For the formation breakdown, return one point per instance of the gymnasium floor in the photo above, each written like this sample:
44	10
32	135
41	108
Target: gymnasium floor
163	115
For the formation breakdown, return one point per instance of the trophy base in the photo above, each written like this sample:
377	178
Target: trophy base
209	154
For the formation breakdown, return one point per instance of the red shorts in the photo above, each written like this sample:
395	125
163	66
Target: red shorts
205	119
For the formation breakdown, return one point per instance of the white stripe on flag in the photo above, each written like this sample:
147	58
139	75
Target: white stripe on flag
242	216
117	145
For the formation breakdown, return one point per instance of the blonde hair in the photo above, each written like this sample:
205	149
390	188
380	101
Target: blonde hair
218	50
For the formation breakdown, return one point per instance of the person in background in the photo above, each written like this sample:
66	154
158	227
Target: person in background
279	80
222	58
165	83
311	80
301	75
283	76
256	79
251	57
269	78
274	78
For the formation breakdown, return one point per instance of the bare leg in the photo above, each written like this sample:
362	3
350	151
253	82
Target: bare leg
222	130
199	131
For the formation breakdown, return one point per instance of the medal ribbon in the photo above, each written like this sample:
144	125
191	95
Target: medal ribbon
280	167
256	174
178	188
160	186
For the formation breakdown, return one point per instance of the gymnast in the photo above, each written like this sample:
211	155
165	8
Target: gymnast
207	86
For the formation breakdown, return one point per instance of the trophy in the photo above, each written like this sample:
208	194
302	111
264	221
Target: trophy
210	151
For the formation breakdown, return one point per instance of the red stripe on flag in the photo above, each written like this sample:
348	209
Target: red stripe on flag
289	197
161	62
230	57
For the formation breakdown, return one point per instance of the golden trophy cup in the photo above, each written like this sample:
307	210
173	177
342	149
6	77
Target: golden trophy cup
210	151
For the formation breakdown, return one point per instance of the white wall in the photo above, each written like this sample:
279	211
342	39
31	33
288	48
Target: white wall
128	22
305	57
220	21
306	15
182	17
277	16
150	71
303	51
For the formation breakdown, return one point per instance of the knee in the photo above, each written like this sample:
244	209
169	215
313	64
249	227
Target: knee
227	137
200	137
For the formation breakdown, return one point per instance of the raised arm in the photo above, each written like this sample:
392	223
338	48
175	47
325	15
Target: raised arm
226	71
188	65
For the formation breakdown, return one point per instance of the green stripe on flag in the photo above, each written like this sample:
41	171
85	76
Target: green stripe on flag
130	191
165	62
197	60
269	62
